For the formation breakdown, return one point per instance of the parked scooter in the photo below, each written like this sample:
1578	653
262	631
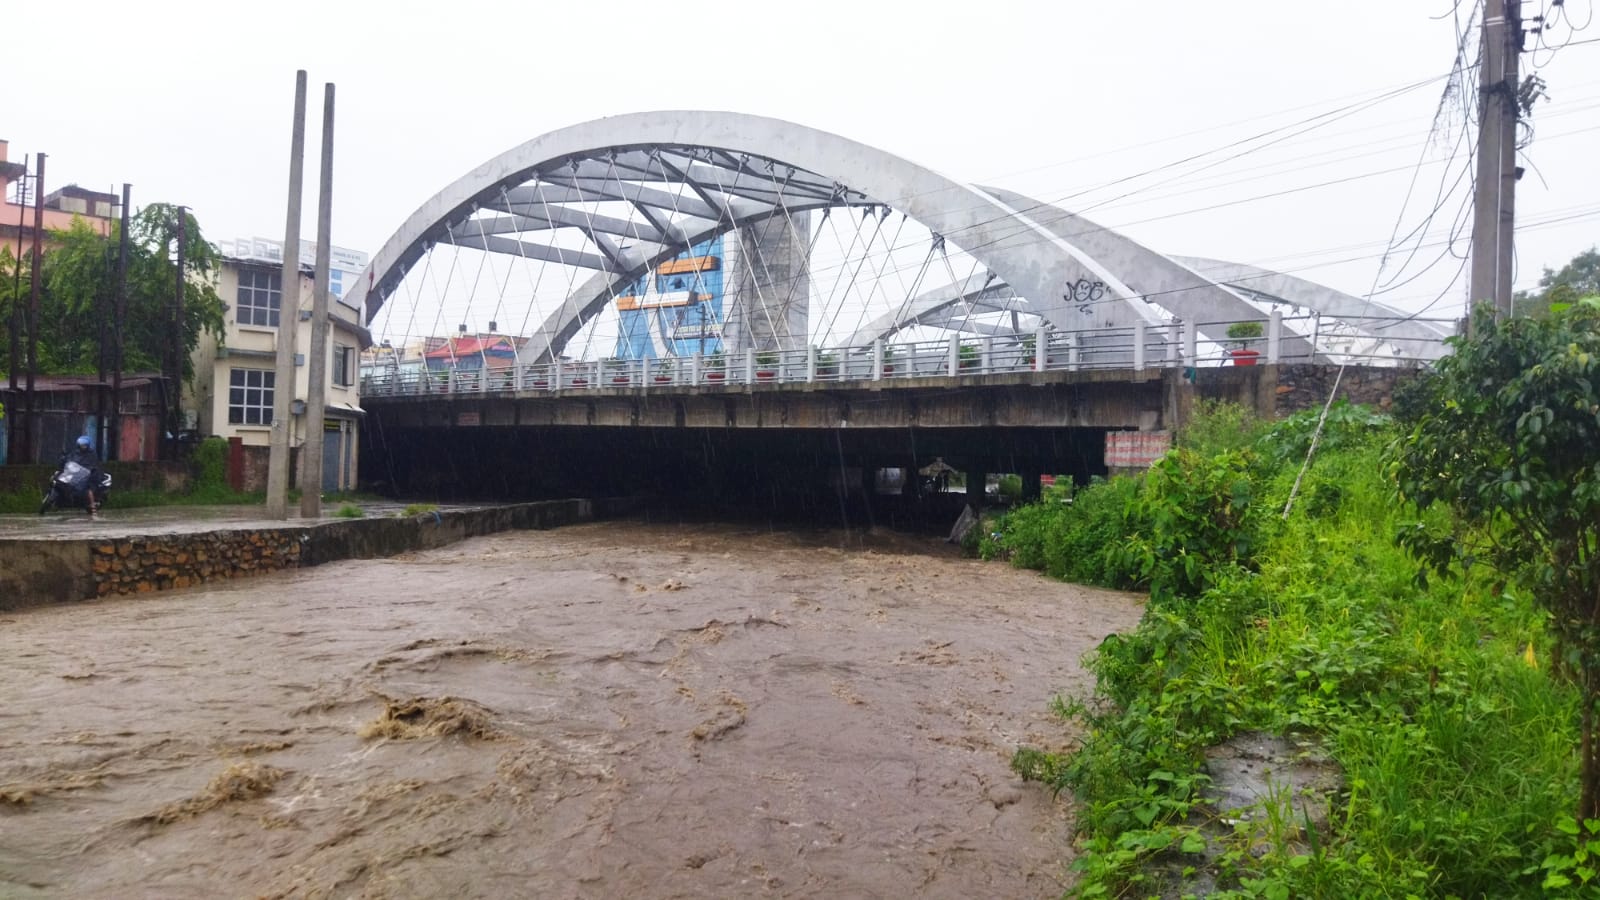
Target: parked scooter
69	488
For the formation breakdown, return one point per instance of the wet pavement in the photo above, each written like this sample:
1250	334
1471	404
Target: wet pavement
603	710
157	520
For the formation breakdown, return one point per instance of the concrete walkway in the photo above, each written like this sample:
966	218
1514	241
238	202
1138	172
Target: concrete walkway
74	525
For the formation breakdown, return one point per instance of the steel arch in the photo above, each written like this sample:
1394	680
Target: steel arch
563	164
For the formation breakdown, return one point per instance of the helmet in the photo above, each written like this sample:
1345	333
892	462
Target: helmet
85	442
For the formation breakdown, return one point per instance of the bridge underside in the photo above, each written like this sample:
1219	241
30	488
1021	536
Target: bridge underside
727	447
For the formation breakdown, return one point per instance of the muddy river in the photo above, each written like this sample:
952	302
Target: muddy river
608	710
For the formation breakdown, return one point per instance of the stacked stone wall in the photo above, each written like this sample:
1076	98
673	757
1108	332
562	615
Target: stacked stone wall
53	570
143	564
1306	387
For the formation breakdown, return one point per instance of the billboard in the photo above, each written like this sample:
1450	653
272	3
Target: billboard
676	309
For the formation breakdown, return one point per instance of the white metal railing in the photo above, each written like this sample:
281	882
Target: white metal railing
1285	339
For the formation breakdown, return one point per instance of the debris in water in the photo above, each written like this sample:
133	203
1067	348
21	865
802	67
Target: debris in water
23	793
421	717
730	716
240	781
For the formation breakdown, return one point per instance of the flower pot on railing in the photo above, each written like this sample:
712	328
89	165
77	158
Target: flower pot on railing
662	379
541	383
766	374
1244	332
967	357
716	375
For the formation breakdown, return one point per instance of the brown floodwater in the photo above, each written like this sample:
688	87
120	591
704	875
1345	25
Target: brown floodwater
606	710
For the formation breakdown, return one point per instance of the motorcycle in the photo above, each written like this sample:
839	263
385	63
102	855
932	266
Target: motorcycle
69	488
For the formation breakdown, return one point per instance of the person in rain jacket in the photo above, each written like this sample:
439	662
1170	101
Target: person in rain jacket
83	454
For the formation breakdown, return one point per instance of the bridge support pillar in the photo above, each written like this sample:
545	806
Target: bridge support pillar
1031	488
976	479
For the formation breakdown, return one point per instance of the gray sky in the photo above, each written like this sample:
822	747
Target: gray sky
1047	98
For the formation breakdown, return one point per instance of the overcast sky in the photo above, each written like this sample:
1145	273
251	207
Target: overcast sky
190	102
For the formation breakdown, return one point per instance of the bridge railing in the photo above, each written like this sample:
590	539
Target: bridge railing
1285	339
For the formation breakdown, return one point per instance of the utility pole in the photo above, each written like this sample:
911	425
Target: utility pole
175	373
317	371
114	443
14	441
288	318
32	425
1494	200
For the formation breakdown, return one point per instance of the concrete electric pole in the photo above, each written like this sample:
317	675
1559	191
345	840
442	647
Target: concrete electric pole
1494	200
288	318
311	461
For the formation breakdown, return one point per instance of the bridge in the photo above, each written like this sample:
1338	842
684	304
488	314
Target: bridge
746	294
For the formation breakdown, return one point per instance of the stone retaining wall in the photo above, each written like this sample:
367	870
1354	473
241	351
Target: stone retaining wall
40	571
158	563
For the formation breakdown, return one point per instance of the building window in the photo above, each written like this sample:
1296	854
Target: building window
250	396
341	365
260	295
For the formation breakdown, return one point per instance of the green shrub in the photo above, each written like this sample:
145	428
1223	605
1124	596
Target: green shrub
349	511
1455	750
211	464
417	509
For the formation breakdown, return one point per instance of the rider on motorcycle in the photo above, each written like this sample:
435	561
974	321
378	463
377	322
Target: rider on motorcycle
83	454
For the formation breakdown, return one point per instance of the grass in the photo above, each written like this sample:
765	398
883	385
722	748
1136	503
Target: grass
1456	749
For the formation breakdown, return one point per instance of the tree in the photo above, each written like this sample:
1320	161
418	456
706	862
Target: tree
1578	278
1506	434
80	274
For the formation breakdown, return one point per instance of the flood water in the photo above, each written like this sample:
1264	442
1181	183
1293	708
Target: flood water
615	709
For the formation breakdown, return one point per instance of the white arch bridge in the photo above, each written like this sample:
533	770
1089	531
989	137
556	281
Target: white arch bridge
676	248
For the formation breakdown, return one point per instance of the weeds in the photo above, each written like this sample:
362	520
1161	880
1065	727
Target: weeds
1456	752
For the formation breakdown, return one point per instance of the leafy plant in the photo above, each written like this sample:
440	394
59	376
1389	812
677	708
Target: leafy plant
766	359
417	509
1244	332
1455	750
967	356
349	511
1510	444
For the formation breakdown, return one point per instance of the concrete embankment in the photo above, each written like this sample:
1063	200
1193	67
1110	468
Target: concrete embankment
55	568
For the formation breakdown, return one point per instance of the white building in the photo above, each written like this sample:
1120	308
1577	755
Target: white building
235	380
343	264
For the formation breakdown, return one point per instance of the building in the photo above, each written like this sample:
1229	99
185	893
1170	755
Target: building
97	208
343	264
71	405
235	379
747	289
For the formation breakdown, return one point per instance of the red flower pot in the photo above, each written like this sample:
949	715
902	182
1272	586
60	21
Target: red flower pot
1245	357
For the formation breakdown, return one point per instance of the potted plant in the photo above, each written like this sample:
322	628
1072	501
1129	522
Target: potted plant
716	367
888	360
663	371
827	365
1244	332
766	365
967	356
1028	357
